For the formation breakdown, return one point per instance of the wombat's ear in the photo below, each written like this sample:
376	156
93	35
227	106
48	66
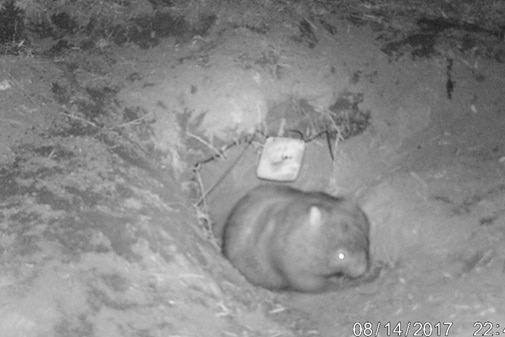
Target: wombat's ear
315	217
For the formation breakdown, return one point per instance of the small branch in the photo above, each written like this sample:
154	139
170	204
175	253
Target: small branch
67	114
135	121
201	140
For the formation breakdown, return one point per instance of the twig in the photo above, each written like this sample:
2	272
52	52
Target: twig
12	121
202	188
211	188
135	121
67	114
210	146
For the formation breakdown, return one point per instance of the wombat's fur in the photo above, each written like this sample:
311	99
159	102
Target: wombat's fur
281	238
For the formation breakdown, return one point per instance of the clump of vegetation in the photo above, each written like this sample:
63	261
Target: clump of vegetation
91	23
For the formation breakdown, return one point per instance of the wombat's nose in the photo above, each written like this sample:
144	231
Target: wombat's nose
358	267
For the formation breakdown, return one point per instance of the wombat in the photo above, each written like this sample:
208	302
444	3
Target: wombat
281	238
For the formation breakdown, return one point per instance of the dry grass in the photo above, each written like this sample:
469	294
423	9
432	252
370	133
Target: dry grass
398	14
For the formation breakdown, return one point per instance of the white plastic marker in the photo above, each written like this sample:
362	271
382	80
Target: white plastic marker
281	159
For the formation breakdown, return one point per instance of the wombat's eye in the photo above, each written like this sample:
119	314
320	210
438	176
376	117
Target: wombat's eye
341	254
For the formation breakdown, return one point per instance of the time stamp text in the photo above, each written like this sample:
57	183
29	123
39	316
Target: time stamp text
423	329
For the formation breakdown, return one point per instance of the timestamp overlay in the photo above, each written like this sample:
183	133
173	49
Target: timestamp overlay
488	328
405	329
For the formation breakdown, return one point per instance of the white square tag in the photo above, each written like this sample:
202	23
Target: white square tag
281	159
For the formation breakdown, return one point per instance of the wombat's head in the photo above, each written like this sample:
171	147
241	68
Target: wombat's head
343	235
349	263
